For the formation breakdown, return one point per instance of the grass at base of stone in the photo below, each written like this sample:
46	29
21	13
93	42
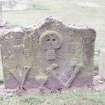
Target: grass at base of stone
65	98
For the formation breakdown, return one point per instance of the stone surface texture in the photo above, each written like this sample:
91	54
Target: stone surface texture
52	55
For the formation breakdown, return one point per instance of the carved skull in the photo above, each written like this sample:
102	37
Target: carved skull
50	41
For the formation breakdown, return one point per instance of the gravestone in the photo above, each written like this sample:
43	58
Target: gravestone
53	55
64	52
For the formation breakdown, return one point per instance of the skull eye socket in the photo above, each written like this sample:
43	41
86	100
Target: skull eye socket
48	40
54	39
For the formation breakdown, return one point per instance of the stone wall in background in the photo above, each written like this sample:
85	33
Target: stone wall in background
16	4
52	55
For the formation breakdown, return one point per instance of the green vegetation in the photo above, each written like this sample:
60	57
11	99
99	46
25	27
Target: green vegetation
40	7
67	98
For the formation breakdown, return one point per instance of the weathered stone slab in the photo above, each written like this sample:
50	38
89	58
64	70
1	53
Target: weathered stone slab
53	55
12	57
61	50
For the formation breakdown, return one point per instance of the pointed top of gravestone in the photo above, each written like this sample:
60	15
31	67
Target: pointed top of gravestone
51	20
52	23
